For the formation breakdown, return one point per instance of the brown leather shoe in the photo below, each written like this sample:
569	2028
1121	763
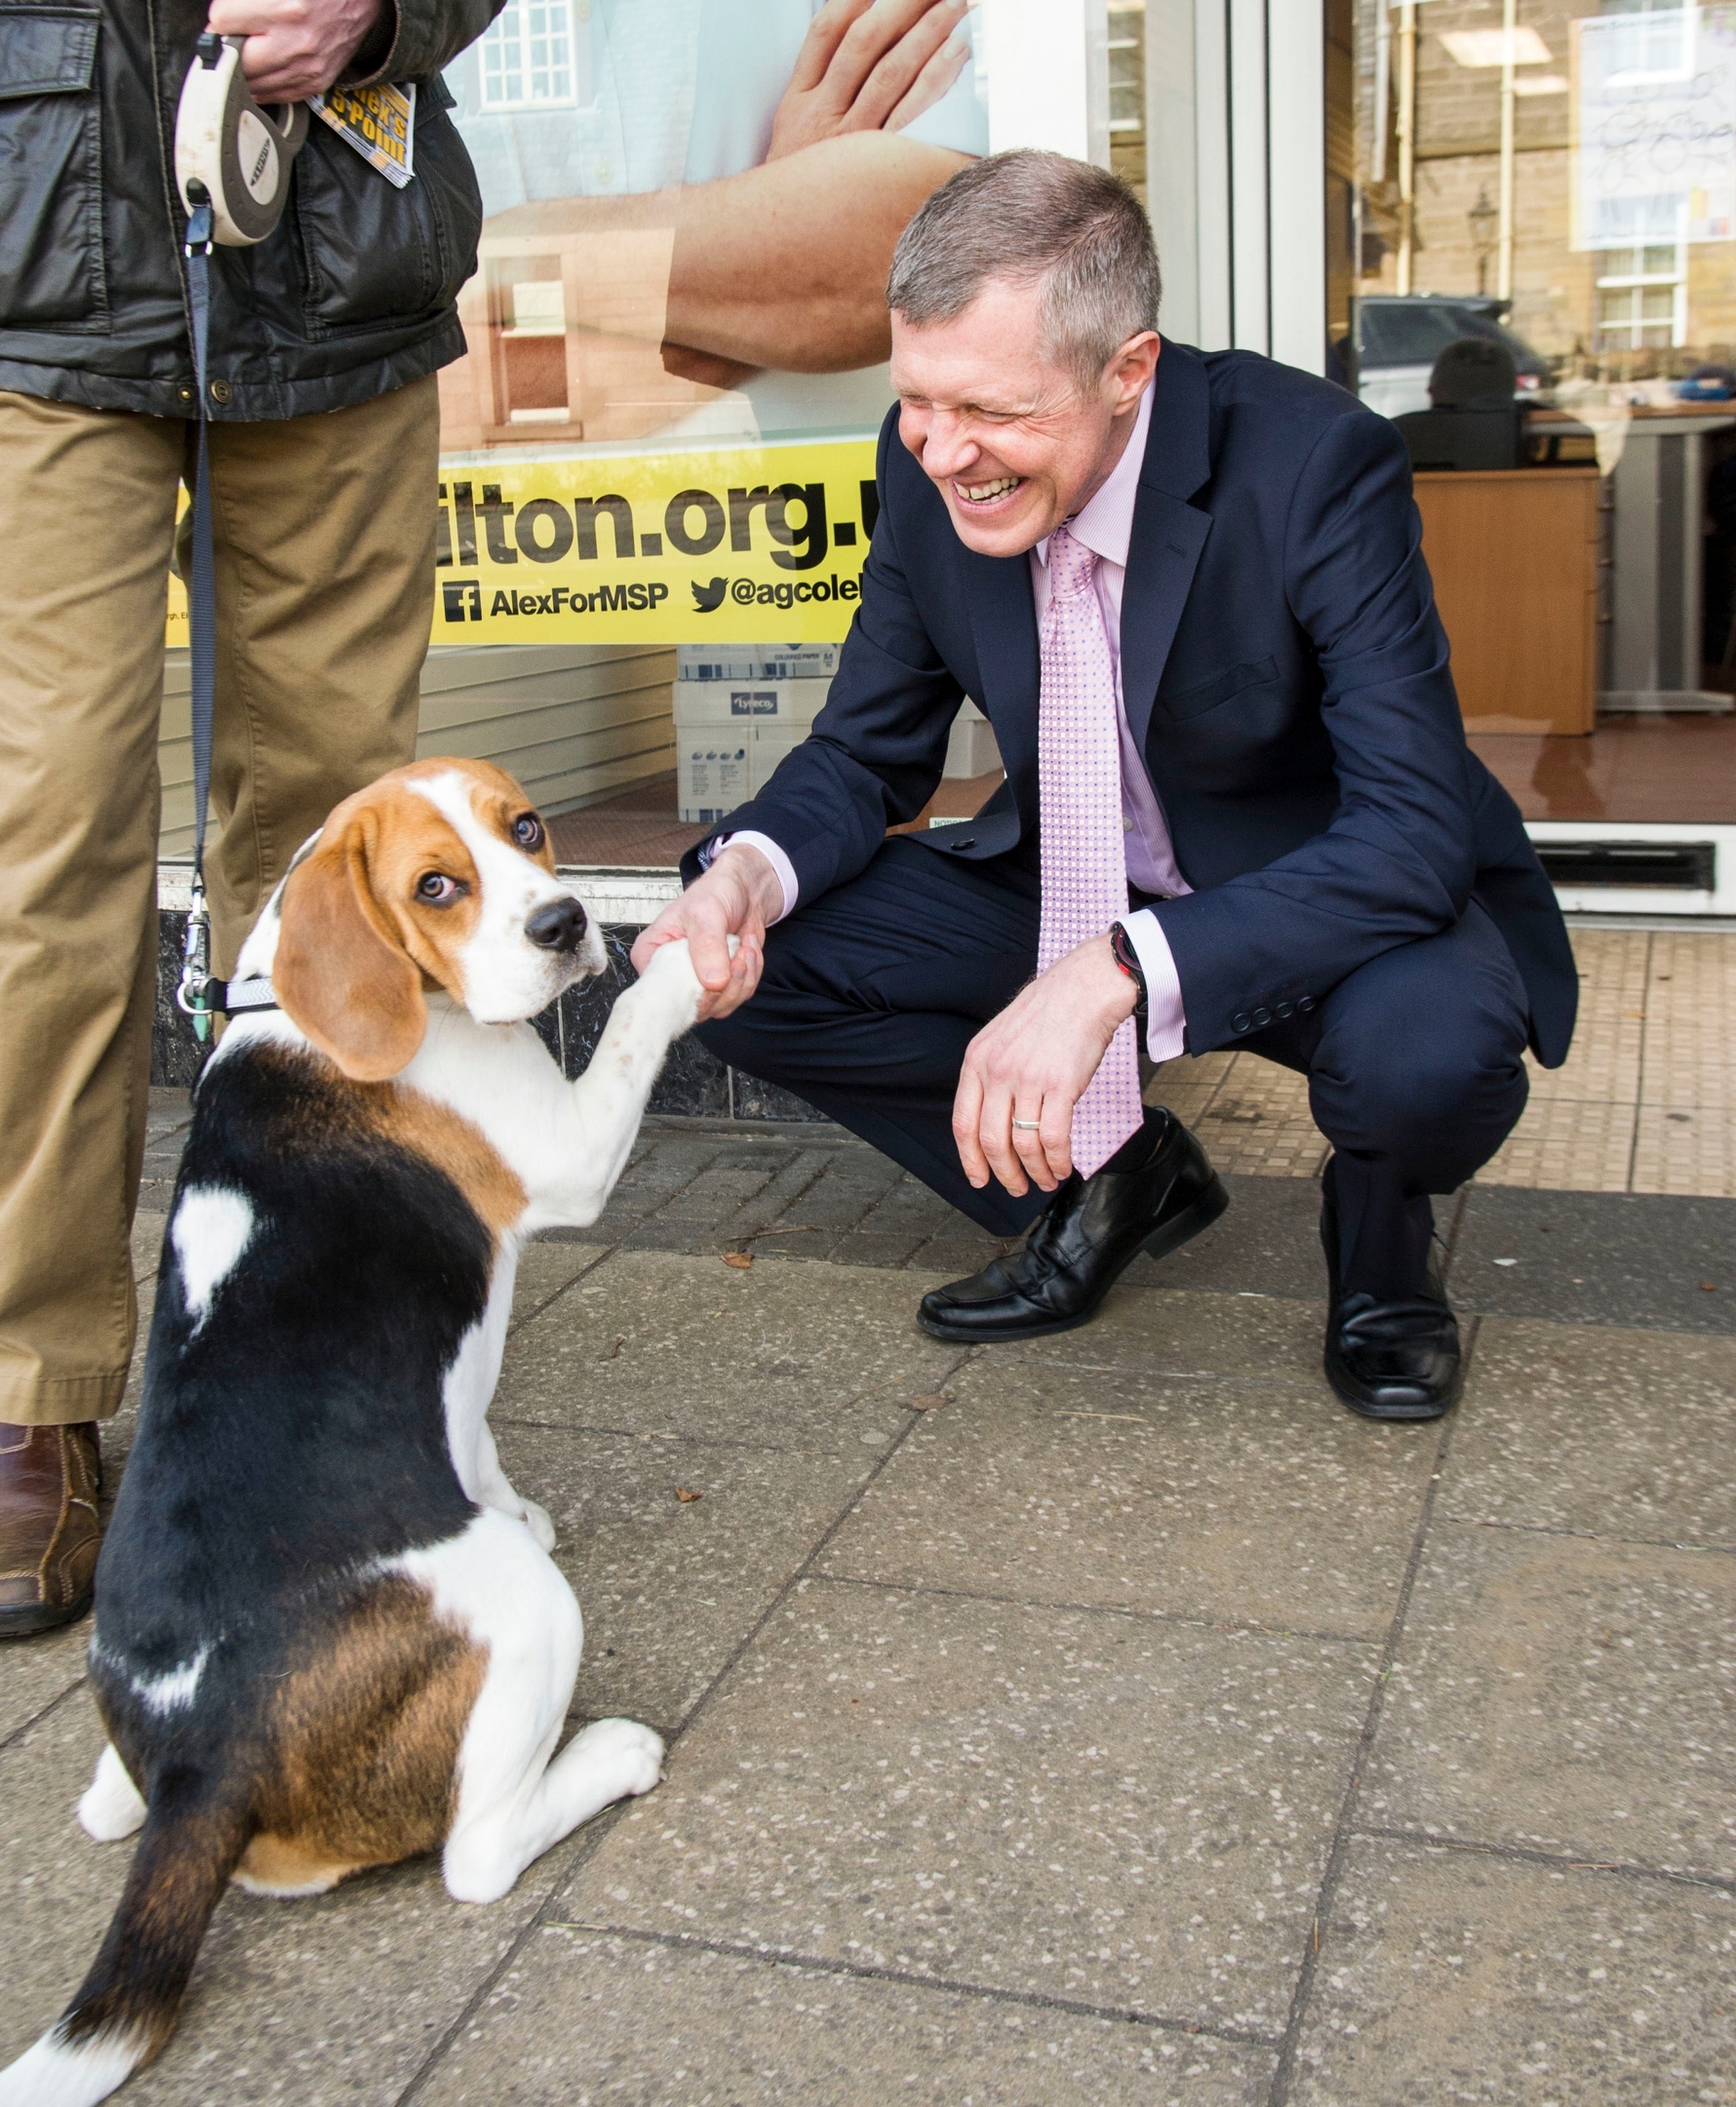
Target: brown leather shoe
49	1531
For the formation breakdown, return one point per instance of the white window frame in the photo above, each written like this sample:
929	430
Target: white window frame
512	23
1639	281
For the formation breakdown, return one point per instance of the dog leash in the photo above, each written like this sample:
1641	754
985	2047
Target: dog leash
200	994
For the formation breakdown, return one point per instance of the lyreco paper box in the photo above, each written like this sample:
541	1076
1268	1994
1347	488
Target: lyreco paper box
767	746
711	775
717	662
798	661
749	703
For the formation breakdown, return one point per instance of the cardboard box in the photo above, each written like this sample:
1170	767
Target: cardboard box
717	662
970	748
765	748
798	661
712	776
741	703
755	661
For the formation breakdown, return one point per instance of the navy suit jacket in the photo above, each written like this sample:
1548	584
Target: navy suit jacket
1285	676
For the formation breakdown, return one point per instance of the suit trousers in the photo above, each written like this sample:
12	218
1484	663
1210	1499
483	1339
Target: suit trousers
872	994
324	529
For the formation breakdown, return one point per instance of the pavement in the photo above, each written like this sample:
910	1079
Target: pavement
1109	1719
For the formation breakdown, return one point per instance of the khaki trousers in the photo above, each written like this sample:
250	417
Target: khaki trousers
324	529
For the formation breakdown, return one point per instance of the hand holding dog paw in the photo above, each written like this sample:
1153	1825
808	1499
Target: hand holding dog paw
723	918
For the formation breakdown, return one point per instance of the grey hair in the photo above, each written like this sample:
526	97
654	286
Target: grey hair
1027	217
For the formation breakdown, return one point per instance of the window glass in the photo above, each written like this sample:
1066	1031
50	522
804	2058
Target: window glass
1561	179
678	316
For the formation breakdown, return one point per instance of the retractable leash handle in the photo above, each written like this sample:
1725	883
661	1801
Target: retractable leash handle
238	149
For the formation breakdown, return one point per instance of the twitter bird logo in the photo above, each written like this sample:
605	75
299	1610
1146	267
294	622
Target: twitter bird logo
709	597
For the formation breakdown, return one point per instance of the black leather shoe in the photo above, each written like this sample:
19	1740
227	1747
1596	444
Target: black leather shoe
1082	1242
1390	1360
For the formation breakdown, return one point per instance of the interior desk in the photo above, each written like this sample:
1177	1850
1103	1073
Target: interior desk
1514	556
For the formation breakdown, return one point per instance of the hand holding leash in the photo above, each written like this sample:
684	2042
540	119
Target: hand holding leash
294	48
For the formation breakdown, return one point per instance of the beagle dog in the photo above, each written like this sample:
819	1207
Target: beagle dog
328	1633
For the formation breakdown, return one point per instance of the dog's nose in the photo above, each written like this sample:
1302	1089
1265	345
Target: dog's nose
557	926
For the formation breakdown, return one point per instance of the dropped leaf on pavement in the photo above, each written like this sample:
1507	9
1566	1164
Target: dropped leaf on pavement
686	1496
739	1259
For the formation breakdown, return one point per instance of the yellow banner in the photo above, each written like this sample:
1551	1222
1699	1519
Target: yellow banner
729	546
655	548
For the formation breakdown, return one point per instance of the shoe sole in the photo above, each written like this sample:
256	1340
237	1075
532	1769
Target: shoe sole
41	1617
1168	1237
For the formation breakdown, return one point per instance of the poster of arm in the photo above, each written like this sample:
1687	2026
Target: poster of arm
663	430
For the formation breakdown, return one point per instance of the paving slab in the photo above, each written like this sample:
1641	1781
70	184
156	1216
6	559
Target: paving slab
1455	1976
1567	1696
582	2017
1599	1258
1614	1433
148	1225
1228	1502
1161	1331
669	1589
1062	1803
668	1344
331	1998
1268	1240
36	1672
545	1268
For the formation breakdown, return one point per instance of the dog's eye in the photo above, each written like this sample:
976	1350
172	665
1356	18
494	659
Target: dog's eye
437	888
527	830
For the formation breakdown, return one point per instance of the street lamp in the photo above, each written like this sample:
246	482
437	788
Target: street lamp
1482	216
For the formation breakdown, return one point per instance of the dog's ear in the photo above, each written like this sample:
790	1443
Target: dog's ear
341	972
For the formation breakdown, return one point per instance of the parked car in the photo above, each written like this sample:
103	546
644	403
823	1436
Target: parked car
1400	336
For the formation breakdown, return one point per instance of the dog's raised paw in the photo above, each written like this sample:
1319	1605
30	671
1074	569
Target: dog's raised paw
633	1752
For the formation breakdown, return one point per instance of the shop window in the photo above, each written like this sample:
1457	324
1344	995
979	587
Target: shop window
1556	176
1127	96
532	58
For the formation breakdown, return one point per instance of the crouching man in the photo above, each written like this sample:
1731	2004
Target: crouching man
1187	589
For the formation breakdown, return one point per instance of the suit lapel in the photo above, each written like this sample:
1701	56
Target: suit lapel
1004	627
1168	534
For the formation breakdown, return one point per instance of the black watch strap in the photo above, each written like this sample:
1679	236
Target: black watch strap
1128	959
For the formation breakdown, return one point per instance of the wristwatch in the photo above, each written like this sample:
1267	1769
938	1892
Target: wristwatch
1121	945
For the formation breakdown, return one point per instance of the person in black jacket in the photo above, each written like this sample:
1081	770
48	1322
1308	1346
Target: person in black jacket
324	435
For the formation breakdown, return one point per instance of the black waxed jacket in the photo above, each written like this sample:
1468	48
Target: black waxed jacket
352	295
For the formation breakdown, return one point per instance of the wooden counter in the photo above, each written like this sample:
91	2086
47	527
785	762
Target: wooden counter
1514	556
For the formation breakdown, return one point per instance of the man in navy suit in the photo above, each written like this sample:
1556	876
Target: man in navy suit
1315	868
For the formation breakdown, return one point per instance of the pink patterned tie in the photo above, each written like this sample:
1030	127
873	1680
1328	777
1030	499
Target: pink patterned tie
1084	857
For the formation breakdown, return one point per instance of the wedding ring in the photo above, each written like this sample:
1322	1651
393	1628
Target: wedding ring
1027	1126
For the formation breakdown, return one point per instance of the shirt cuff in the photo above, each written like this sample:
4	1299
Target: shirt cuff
775	856
1166	1028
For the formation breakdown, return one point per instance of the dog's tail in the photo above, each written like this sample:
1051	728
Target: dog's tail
125	2010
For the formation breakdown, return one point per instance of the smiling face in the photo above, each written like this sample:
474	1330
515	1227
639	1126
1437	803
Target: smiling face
1007	437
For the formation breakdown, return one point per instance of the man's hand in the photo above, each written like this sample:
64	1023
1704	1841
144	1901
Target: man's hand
737	896
869	65
1033	1062
294	48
